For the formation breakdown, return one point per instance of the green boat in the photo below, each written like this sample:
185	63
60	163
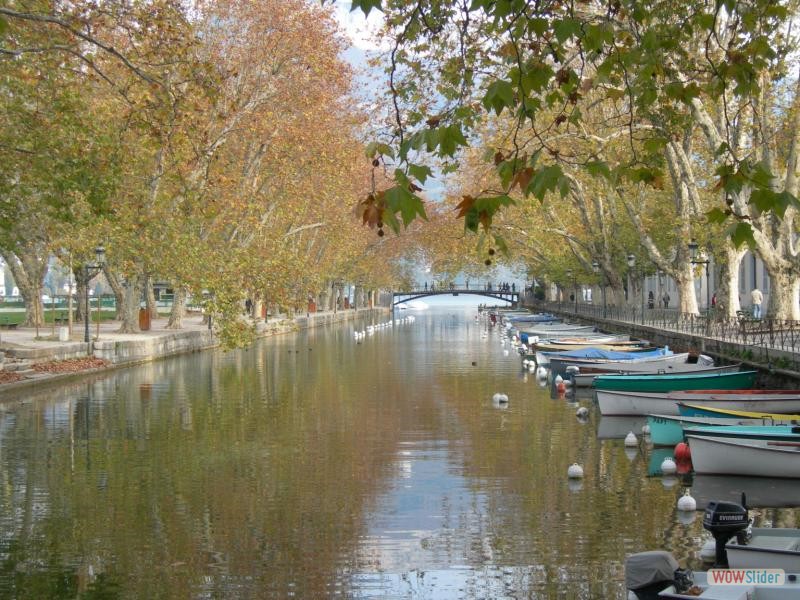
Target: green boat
676	382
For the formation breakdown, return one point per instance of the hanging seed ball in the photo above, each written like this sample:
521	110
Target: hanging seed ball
491	251
380	232
487	262
375	162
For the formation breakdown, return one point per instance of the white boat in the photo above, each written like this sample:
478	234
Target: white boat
761	492
585	379
645	403
790	590
560	365
733	456
767	548
656	574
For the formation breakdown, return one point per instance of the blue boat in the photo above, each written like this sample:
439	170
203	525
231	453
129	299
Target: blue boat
538	318
669	430
772	433
600	354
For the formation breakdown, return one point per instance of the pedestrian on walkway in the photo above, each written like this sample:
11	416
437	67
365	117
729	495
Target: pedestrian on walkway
665	298
756	297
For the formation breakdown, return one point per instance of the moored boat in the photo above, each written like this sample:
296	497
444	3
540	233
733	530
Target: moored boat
560	364
669	430
675	382
759	458
585	379
707	409
761	492
558	361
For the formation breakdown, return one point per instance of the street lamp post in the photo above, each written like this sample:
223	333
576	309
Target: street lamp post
571	275
90	271
702	259
631	259
596	269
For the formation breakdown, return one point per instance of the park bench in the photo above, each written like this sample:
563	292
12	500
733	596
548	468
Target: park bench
6	323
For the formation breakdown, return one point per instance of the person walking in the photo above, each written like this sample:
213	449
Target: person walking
756	297
665	299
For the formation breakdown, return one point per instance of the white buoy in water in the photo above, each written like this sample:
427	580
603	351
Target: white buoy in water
686	517
582	412
645	429
499	398
630	439
687	503
505	352
575	471
669	481
668	466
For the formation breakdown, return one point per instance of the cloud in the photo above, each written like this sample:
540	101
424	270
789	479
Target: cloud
359	29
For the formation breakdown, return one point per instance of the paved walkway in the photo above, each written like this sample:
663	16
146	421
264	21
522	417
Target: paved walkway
25	337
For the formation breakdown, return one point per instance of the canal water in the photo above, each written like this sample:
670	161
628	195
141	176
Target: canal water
317	465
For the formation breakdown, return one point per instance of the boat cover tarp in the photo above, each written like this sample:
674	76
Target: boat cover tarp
647	568
534	319
600	354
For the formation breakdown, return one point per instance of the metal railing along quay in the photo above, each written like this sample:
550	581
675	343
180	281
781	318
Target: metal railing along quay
772	342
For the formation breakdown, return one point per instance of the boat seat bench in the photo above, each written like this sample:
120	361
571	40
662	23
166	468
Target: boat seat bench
774	543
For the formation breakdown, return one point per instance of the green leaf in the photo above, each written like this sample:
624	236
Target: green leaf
499	95
378	148
546	180
536	77
741	234
717	216
597	168
3	25
365	5
420	172
500	244
450	138
566	28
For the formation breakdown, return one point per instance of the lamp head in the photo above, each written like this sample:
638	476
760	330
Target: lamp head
595	266
631	260
100	254
693	249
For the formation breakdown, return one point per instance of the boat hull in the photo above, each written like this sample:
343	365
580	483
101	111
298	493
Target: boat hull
768	548
669	430
613	402
759	458
677	382
586	379
706	407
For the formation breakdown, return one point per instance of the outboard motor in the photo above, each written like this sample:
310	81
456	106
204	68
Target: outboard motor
726	520
648	573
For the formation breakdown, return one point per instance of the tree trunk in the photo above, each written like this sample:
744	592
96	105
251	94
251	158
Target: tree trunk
687	299
128	295
80	293
29	270
783	295
178	308
150	298
728	286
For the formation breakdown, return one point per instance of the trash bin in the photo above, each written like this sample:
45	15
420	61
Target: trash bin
63	334
312	307
144	319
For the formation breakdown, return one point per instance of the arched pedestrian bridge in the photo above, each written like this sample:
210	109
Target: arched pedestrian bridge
505	295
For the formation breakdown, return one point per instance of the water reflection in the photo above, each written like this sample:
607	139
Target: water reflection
313	466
